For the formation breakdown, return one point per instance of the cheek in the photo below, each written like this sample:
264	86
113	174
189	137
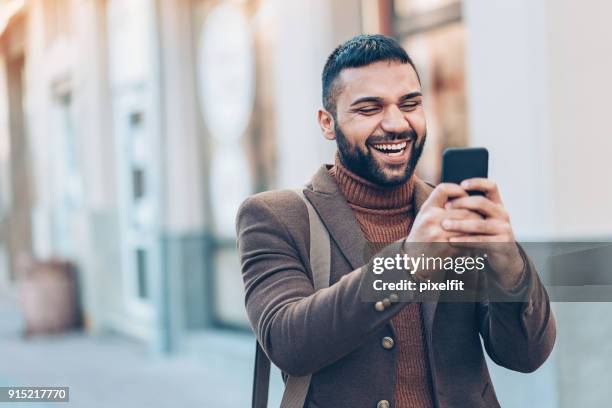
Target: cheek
357	131
417	122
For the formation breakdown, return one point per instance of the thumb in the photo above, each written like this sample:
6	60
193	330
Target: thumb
442	193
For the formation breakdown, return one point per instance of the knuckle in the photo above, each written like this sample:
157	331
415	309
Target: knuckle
447	188
439	188
480	225
500	228
482	200
491	227
443	189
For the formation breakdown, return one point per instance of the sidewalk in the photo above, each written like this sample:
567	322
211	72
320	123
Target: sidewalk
112	371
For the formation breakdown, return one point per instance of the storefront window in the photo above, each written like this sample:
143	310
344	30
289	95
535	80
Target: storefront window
408	8
230	102
433	33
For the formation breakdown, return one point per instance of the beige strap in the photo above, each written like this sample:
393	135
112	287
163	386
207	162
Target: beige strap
296	388
320	249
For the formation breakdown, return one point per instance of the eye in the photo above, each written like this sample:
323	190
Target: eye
410	106
370	110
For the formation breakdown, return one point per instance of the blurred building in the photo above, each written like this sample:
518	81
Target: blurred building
130	131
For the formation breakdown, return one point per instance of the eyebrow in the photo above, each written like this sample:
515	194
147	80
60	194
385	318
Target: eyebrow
377	99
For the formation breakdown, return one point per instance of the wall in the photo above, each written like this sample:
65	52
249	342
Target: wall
580	55
299	61
538	86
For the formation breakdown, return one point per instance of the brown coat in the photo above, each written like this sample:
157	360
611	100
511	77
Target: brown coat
337	337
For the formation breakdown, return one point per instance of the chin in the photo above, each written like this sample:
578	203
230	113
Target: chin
392	180
394	177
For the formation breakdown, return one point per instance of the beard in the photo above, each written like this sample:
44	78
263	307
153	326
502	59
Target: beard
363	163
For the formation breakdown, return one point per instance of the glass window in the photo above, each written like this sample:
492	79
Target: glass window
141	269
138	183
433	33
57	19
407	8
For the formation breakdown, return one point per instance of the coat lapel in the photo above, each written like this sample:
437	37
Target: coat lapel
337	216
421	192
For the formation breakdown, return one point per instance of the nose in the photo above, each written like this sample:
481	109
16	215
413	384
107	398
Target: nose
394	120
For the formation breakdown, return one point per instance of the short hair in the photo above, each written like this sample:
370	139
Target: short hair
359	51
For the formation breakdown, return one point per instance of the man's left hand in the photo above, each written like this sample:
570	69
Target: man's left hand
493	232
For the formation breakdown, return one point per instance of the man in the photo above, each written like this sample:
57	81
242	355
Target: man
391	354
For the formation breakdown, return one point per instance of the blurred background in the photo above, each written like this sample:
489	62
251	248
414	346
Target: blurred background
131	130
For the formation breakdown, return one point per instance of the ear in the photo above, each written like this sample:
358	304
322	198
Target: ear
327	124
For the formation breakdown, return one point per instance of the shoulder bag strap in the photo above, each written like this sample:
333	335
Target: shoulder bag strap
296	388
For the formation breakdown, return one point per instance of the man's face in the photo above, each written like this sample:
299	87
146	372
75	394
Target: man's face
380	123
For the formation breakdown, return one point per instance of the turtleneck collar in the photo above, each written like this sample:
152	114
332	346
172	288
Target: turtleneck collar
365	194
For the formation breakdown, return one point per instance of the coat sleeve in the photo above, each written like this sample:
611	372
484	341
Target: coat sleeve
519	332
301	331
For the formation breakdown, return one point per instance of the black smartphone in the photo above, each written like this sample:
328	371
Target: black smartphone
463	163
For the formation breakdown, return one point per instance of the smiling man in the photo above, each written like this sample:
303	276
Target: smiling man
336	350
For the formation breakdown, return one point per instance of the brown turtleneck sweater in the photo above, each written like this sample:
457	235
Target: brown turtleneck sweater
385	214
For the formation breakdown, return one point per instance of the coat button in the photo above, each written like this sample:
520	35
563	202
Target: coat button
386	302
388	343
394	298
383	404
379	306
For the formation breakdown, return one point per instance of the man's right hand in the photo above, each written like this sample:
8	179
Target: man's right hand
427	226
427	235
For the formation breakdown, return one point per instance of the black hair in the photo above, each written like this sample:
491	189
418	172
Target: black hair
359	51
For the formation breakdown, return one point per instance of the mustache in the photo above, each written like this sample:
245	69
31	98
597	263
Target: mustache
393	137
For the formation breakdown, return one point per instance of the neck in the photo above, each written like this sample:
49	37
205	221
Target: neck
363	193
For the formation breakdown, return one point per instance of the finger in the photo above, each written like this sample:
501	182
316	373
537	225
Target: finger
462	214
481	204
484	241
448	234
473	226
442	193
471	241
488	186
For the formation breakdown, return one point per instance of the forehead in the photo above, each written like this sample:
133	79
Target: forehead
385	79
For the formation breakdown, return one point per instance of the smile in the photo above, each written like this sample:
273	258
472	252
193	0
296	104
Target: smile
391	149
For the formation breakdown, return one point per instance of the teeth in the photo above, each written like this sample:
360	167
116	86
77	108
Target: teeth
397	147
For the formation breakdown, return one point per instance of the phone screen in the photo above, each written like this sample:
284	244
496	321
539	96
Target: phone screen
459	164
